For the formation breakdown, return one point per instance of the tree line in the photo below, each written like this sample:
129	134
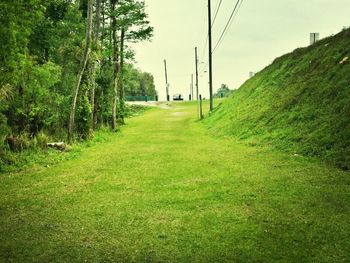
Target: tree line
66	66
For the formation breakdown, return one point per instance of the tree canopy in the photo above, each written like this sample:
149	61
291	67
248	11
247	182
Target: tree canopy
51	66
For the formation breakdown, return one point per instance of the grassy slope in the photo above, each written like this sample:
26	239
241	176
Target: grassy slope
163	190
300	103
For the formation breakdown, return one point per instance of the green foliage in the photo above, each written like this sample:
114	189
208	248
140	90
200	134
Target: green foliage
42	45
298	104
36	63
84	117
42	140
223	91
4	129
134	20
138	83
31	110
135	110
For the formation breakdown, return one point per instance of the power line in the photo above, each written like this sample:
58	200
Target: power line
203	20
205	43
210	56
239	6
229	23
216	13
226	29
205	47
206	40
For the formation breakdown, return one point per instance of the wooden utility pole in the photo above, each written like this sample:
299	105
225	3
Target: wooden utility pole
196	61
192	87
200	107
210	57
166	81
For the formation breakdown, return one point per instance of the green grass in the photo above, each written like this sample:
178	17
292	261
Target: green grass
165	190
300	103
35	157
37	154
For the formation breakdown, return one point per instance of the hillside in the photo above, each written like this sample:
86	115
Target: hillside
299	104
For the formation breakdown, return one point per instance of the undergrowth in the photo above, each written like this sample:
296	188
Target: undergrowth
28	152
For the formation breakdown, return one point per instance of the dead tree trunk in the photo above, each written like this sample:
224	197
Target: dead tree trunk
81	73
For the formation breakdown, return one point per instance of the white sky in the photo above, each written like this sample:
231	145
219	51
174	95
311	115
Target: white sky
261	31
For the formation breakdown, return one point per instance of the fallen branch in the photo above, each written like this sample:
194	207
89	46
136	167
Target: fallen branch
57	145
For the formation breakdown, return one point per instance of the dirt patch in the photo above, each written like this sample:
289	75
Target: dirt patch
162	105
179	113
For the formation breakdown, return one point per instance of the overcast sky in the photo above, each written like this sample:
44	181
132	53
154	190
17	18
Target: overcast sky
261	31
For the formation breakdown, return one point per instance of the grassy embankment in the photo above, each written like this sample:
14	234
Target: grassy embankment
164	190
299	104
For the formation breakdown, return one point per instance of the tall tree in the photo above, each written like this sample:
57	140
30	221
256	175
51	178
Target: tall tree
51	78
95	64
83	67
116	66
134	27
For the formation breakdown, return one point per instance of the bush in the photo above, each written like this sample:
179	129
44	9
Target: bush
42	139
84	118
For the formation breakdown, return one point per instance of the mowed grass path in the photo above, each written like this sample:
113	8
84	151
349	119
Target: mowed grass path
164	190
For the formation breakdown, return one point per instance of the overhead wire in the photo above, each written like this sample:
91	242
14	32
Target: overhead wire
228	24
239	6
224	32
205	44
207	38
216	13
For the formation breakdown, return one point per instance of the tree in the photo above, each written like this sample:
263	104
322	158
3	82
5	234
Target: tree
137	83
95	64
60	66
85	60
134	27
223	91
116	66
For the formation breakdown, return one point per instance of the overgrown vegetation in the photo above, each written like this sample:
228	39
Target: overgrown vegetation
298	104
22	152
65	64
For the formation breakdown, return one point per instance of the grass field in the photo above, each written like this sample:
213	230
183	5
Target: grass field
165	190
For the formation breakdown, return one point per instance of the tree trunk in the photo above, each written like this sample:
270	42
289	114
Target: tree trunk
110	38
81	73
100	106
95	66
121	82
116	65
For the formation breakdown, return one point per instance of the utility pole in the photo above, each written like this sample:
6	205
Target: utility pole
196	60
210	57
200	107
192	86
166	81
